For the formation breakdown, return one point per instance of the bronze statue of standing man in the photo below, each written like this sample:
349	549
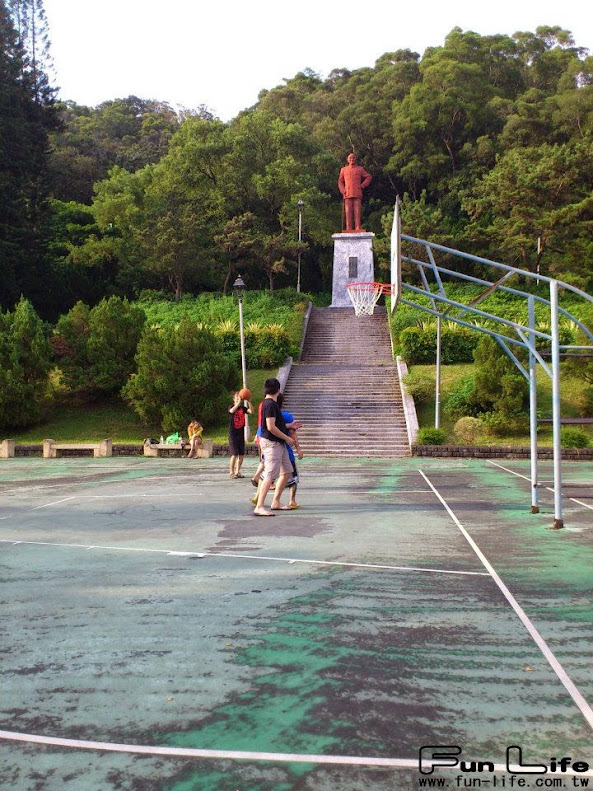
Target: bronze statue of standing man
352	181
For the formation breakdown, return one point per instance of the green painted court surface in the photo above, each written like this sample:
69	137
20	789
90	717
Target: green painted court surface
144	607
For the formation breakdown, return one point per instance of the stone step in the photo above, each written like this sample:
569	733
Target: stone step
345	388
366	453
345	410
324	429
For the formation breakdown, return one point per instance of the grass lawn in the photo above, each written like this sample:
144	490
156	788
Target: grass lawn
118	421
451	374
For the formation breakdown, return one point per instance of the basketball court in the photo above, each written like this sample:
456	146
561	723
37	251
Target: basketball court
155	635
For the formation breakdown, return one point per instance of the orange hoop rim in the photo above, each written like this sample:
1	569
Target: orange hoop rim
383	288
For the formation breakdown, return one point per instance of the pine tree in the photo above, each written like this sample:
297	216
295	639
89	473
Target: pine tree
26	115
31	24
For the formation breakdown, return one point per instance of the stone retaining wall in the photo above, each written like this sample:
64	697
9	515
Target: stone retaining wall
427	451
498	452
126	450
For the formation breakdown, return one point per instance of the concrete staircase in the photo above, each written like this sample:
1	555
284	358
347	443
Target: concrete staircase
345	388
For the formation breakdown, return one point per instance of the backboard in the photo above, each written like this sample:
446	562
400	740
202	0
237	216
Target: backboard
396	256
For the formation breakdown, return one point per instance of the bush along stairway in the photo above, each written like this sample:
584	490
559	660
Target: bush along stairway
345	387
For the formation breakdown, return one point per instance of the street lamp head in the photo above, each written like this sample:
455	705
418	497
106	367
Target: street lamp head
300	204
239	288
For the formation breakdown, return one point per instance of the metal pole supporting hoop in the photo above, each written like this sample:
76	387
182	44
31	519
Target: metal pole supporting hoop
509	334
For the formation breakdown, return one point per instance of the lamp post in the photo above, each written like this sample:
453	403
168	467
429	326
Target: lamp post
300	205
239	292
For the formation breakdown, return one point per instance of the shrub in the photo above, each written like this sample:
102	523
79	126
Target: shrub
458	344
468	429
115	328
499	385
283	306
418	344
501	392
265	346
69	344
420	386
574	438
25	365
461	400
432	436
183	372
499	425
95	348
585	402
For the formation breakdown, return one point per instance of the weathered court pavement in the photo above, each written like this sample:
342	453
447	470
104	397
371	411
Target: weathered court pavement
143	604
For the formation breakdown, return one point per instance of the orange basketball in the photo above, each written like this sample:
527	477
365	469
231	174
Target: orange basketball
245	394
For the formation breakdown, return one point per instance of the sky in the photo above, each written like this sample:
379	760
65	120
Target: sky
222	54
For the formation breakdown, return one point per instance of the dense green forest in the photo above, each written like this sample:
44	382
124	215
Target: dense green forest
488	139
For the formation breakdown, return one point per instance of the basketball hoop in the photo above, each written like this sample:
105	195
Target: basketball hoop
364	296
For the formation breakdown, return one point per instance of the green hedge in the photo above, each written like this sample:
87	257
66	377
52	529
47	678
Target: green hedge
265	347
285	307
418	344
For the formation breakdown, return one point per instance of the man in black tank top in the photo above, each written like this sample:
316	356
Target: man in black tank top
274	438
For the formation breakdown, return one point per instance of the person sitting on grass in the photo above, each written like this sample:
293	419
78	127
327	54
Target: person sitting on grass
194	434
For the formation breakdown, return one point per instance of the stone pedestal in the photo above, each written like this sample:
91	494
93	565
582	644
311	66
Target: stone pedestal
353	262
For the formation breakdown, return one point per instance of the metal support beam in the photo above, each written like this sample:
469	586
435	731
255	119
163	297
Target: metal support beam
533	408
558	521
510	335
437	398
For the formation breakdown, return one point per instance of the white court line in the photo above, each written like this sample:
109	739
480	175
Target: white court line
526	478
184	752
570	687
189	752
64	485
247	557
136	494
55	502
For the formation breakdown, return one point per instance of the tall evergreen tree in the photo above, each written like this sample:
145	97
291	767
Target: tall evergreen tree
26	115
32	28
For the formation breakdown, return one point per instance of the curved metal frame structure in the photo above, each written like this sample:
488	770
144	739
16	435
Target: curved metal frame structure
510	335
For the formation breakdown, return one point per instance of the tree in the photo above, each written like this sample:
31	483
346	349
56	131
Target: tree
70	347
25	363
269	166
443	113
33	32
128	133
182	373
543	192
237	241
26	115
96	348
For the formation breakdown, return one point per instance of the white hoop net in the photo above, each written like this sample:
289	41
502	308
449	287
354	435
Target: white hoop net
364	297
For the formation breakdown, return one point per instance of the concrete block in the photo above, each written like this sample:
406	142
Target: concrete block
49	450
104	449
7	449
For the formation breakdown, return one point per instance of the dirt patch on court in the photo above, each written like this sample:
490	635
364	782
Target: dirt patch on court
235	533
